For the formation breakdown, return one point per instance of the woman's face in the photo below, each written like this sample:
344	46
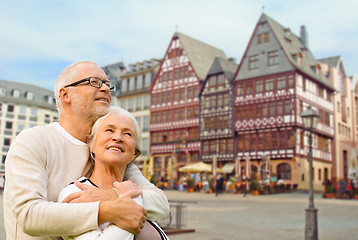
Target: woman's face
115	141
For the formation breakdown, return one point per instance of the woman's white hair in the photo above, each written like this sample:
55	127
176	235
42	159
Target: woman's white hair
119	111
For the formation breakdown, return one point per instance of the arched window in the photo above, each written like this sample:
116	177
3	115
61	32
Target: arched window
284	171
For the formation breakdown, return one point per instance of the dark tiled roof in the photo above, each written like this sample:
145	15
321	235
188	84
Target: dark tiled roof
40	95
223	65
201	55
291	45
114	71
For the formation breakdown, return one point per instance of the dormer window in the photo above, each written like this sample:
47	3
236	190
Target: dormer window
29	95
2	92
49	99
297	57
16	93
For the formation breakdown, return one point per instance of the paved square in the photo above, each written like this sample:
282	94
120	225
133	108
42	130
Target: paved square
280	216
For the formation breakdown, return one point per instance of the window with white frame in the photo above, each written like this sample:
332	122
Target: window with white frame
33	111
124	103
29	96
2	91
130	104
16	93
147	80
146	101
124	85
145	123
138	119
138	103
22	109
145	145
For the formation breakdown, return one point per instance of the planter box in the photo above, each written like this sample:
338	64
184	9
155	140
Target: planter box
255	192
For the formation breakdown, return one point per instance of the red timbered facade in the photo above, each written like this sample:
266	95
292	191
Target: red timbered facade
174	124
276	80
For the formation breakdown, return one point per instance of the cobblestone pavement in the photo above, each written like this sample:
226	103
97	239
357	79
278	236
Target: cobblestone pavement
280	216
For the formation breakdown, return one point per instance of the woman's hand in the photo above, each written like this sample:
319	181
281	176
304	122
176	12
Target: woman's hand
90	194
126	186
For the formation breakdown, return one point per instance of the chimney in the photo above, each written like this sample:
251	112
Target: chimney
304	36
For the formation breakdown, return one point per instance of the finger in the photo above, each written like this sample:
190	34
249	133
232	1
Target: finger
132	194
145	212
72	197
116	184
80	185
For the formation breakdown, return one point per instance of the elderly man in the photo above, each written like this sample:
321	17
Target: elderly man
42	160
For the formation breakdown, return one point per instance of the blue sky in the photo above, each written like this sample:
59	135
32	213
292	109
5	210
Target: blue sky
41	37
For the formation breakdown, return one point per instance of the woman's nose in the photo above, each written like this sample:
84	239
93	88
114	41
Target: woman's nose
117	137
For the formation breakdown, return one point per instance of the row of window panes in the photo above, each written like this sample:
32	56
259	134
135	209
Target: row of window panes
321	92
263	37
216	81
176	52
344	130
266	141
175	95
216	122
260	110
174	136
137	82
226	146
22	109
215	101
16	93
139	104
272	59
175	115
176	74
265	85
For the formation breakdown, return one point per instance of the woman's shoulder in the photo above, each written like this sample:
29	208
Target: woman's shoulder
72	188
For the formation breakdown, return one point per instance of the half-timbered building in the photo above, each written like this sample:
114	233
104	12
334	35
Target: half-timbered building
277	79
174	124
216	114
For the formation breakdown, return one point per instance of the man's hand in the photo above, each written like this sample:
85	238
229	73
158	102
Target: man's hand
124	212
126	186
90	194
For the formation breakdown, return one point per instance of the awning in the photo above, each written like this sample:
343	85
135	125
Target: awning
228	167
197	168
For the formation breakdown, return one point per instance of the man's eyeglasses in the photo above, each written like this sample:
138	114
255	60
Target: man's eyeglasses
94	82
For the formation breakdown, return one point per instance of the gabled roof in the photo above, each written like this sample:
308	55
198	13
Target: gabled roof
292	45
225	66
335	61
200	54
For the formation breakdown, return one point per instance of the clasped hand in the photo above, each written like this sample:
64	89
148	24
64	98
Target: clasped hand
126	213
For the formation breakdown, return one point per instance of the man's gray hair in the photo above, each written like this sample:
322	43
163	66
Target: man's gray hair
67	76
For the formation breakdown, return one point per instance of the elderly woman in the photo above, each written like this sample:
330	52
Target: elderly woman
114	144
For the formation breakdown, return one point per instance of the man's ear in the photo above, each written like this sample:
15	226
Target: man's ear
64	95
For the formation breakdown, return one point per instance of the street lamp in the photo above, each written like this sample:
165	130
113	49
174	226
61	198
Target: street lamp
309	119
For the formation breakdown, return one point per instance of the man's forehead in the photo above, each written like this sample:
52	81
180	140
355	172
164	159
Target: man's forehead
89	69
